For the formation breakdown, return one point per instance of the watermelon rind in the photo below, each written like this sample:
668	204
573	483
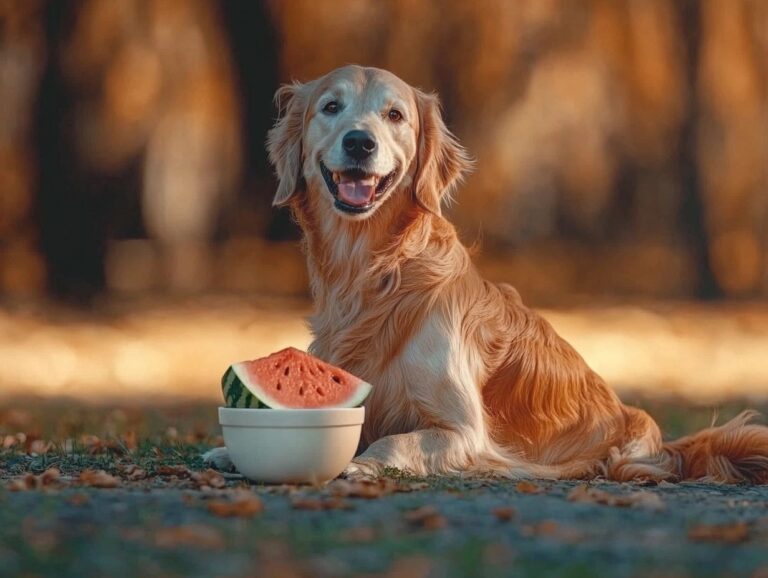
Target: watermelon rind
240	391
236	394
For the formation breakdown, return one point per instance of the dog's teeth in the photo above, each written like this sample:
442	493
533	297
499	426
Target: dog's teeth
336	178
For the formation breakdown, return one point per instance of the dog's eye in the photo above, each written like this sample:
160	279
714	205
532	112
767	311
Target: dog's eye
331	108
395	115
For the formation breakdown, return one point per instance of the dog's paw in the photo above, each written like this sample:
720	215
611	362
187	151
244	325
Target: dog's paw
362	470
218	459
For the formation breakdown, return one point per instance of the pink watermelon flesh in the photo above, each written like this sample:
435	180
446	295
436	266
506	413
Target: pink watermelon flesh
294	379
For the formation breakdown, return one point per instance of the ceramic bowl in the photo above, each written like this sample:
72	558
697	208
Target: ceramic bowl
282	446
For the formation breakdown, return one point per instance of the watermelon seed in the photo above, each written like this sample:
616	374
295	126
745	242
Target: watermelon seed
301	391
336	378
287	369
319	391
279	386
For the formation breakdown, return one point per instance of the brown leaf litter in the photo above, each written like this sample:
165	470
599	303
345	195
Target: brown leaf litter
642	499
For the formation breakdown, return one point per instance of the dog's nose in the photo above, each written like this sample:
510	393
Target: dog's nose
358	144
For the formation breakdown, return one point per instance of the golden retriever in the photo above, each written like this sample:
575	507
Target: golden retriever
466	378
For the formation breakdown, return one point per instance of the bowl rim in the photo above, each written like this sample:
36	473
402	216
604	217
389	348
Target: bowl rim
291	418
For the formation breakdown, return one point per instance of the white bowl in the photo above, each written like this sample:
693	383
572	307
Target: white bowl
280	446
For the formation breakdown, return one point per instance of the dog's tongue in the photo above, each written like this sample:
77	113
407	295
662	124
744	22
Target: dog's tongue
356	192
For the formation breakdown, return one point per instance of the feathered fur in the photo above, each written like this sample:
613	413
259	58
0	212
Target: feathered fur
466	377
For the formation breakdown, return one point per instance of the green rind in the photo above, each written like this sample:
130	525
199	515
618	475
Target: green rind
236	393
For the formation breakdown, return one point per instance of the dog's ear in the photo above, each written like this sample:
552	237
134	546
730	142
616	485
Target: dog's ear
441	160
284	140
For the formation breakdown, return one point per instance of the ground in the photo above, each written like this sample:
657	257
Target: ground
121	491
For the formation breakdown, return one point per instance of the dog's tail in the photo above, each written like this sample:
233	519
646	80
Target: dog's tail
734	452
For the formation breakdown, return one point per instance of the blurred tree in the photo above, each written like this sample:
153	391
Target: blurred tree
622	147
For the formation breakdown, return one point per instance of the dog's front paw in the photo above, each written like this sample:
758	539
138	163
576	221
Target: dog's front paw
362	470
218	458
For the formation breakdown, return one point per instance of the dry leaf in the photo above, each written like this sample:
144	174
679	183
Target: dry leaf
371	489
244	505
505	513
645	500
17	485
192	535
98	479
426	517
361	489
32	482
359	534
729	533
178	471
133	472
40	447
543	528
552	529
210	478
526	487
50	476
78	499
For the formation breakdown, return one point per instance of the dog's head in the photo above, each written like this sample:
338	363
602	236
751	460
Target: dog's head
359	136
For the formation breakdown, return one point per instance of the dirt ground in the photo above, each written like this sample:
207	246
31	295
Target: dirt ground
121	491
450	528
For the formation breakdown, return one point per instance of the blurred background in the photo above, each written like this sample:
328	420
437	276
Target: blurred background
621	181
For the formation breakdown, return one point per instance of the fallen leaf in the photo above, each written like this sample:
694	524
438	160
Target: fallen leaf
17	485
543	528
505	513
40	447
98	479
50	476
426	517
192	535
526	487
133	472
78	499
243	505
178	471
359	489
32	482
358	534
551	529
643	499
371	489
646	501
210	478
728	533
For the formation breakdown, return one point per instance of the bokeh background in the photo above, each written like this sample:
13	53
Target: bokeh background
621	180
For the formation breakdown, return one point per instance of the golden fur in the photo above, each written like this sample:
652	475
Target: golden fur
466	378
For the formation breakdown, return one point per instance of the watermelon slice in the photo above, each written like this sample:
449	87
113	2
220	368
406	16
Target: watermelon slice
291	379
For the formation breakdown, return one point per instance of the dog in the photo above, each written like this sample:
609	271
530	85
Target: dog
466	378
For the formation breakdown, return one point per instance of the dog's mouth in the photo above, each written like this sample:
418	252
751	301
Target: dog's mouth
354	190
